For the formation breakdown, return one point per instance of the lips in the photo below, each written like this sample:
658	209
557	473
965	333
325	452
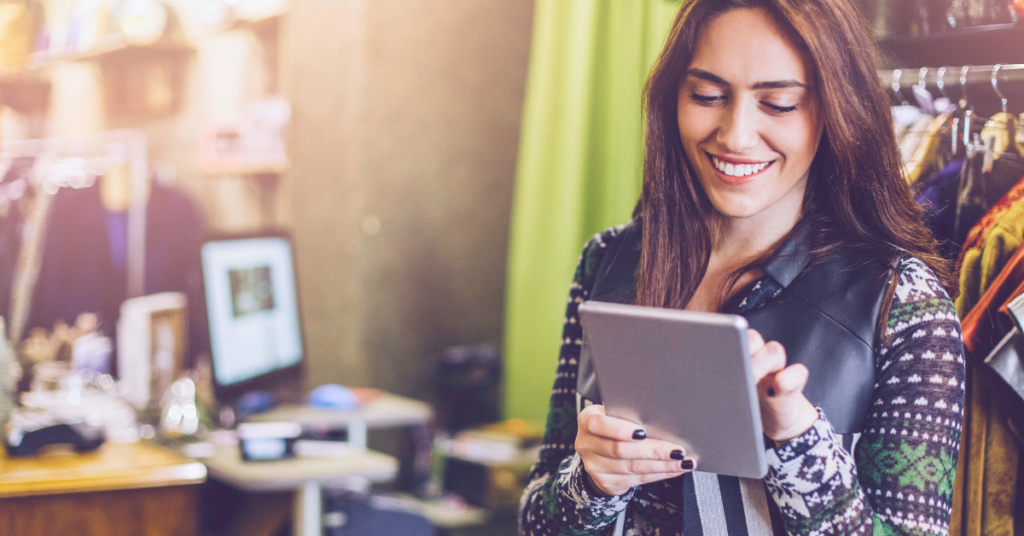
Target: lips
737	171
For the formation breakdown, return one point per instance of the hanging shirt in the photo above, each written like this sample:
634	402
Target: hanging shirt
117	234
938	197
989	475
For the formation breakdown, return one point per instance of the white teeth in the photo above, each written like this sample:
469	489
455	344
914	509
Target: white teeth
738	170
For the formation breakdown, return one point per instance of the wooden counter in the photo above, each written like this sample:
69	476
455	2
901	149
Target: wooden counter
122	488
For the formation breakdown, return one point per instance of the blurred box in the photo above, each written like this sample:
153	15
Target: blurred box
490	465
152	339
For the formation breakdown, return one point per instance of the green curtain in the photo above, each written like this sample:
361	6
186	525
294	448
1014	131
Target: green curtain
579	168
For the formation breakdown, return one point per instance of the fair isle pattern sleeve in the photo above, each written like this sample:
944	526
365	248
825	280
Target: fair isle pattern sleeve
899	479
558	500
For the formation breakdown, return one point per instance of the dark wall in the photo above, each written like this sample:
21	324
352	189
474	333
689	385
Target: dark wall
404	140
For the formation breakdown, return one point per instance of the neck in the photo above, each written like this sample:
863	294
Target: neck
738	241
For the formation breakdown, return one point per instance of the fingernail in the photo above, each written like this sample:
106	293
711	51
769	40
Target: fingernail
771	391
687	465
676	455
639	434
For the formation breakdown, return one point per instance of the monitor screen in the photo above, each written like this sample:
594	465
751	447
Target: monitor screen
252	307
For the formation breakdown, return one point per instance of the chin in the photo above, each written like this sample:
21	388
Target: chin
737	208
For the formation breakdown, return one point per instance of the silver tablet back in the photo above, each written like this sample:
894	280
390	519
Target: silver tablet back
685	376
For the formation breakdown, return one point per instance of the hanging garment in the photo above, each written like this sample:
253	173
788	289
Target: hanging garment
20	229
989	245
938	197
985	496
980	191
929	151
915	136
10	245
83	270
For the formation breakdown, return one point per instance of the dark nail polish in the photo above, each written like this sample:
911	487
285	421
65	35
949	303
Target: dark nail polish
676	455
687	465
639	434
771	391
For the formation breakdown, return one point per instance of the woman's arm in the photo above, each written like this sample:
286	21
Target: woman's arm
558	500
900	478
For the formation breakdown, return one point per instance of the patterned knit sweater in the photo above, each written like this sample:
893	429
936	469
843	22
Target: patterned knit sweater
894	478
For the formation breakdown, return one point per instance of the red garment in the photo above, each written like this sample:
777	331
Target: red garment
977	233
984	327
985	489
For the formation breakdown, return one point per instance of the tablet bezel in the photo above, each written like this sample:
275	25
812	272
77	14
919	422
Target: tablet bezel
647	359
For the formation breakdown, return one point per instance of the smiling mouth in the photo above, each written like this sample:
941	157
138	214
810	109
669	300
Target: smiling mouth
738	170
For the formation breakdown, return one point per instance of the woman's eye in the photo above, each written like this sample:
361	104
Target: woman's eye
706	99
779	109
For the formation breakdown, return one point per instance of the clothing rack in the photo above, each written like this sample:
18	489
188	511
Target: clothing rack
946	78
50	151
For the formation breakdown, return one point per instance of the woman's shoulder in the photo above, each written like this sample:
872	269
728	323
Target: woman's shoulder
602	240
919	298
918	283
595	250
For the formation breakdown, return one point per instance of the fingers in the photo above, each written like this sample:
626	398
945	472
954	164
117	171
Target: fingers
790	380
596	422
651	449
617	454
615	466
754	341
771	357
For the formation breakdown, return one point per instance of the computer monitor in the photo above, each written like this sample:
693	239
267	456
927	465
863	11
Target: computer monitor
253	310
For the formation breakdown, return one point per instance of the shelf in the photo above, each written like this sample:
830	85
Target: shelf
221	171
255	25
982	45
115	50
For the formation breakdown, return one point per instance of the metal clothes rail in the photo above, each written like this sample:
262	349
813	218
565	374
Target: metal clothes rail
946	78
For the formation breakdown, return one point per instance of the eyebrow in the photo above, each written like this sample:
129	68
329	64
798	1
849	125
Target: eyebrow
774	84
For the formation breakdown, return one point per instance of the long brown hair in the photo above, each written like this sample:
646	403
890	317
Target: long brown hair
856	196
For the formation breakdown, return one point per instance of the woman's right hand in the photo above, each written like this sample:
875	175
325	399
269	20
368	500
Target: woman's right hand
618	456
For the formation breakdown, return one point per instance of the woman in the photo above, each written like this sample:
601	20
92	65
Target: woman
772	189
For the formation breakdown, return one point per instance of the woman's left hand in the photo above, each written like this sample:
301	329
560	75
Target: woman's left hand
785	411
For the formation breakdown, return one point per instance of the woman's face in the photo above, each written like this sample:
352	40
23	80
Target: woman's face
748	117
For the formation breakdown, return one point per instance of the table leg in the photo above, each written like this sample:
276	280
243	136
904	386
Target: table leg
357	432
309	505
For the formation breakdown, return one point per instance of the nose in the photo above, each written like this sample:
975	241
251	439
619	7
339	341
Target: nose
738	130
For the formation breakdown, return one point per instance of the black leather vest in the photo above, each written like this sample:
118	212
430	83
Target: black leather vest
825	317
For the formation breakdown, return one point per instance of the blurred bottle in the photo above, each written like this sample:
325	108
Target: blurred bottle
957	16
17	33
919	20
878	14
1000	12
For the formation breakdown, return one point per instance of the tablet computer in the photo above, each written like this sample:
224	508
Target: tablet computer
684	376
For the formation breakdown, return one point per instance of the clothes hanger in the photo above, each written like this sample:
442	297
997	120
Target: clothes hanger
928	148
999	130
904	114
917	134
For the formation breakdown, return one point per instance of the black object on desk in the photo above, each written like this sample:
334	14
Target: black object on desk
27	435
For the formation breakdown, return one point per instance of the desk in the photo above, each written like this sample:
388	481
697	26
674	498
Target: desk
383	411
306	476
122	488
